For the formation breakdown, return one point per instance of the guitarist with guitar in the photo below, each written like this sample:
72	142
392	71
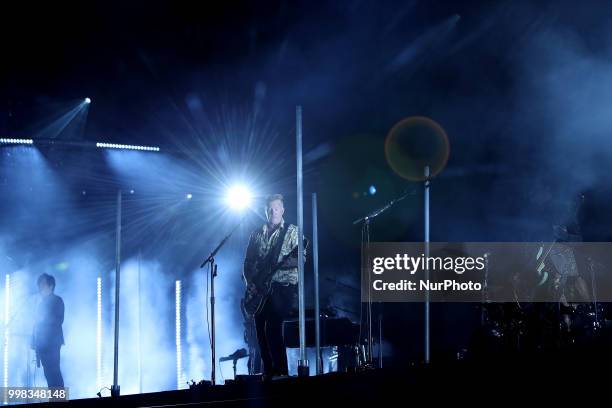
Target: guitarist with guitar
271	275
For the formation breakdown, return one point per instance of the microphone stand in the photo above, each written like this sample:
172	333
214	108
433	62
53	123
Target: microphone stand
384	208
213	274
365	242
234	357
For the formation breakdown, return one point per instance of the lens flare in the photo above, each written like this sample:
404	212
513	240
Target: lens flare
414	143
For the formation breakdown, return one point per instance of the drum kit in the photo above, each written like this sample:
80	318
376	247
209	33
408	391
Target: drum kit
513	328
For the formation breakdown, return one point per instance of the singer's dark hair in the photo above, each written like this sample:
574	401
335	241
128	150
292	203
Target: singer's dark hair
48	279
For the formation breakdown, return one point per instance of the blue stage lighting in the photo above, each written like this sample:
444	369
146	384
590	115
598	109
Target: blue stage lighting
17	141
372	189
189	196
7	320
179	352
99	372
127	147
87	101
238	197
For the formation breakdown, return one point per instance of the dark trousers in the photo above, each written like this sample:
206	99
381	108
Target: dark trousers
250	338
269	325
50	360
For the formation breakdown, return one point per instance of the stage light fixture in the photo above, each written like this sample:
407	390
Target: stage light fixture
238	197
189	196
127	147
372	189
17	141
87	101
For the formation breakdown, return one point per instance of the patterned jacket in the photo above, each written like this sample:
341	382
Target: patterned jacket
261	241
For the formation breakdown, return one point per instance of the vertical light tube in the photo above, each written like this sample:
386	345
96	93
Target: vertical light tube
179	353
213	338
99	335
139	327
7	316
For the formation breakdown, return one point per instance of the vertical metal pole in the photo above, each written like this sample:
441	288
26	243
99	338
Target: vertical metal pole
380	336
370	356
303	369
115	388
426	205
315	267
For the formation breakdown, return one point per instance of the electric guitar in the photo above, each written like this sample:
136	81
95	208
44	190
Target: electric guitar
254	300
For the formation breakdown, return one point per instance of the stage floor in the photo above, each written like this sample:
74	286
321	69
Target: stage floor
548	379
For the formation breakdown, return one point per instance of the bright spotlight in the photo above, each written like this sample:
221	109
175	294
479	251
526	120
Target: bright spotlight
238	197
372	189
189	196
87	101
